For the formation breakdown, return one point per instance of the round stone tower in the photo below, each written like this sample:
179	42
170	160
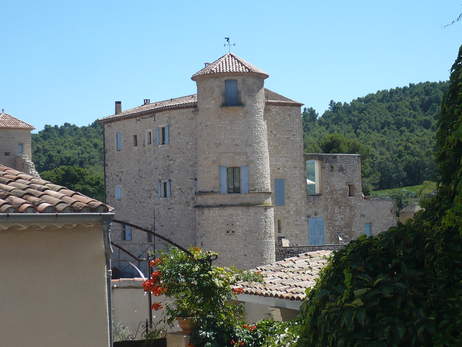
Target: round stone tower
235	216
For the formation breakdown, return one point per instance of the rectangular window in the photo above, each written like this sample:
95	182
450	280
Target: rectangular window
135	140
118	192
165	189
234	179
279	226
351	190
368	229
150	237
7	154
148	137
165	135
279	189
20	148
119	141
231	93
127	233
312	177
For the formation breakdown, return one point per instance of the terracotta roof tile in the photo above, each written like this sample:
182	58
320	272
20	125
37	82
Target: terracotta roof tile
229	64
288	278
9	122
22	193
188	101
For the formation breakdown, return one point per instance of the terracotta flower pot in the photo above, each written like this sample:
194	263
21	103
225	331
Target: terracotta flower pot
186	324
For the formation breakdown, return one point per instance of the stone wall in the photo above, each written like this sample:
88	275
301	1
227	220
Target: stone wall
285	140
292	251
9	145
344	209
138	169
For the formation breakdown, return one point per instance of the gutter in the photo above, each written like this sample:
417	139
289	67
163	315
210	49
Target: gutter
55	217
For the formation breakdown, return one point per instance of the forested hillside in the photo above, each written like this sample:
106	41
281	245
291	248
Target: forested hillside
71	156
394	130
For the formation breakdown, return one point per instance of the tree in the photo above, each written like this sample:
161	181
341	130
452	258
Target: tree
83	180
402	287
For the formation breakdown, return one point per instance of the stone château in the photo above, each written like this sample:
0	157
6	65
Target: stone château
224	169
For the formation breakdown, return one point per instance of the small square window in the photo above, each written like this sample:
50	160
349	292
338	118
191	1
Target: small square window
7	154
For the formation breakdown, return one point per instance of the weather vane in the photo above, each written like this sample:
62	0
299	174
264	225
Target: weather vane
229	44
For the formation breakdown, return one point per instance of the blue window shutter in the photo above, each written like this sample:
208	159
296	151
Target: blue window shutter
368	229
279	185
223	180
316	231
159	189
231	93
169	193
157	141
167	134
244	179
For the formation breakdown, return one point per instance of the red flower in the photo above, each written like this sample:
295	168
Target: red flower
155	262
249	327
156	306
158	290
155	276
238	290
148	285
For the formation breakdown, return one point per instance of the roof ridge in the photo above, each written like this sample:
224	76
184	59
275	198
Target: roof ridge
229	63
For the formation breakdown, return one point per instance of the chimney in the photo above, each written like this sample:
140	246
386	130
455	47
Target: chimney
146	101
118	107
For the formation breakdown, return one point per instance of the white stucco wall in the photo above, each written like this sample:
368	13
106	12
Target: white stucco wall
53	286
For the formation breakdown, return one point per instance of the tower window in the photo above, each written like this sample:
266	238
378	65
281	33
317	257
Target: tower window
231	93
20	148
234	179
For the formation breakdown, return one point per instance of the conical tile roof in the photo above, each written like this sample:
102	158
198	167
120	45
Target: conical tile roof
229	64
9	122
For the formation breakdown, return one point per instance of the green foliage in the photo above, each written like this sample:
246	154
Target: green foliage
84	180
204	292
68	145
409	195
404	286
396	127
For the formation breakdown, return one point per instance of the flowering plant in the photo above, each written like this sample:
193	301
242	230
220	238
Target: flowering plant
199	290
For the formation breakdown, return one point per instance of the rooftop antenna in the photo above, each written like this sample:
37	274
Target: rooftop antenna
229	44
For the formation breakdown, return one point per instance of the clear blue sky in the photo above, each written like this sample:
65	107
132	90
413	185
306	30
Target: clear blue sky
64	61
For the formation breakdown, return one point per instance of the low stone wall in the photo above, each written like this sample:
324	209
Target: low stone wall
287	252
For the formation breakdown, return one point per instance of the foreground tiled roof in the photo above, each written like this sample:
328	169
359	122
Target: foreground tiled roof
9	122
229	64
22	193
288	278
188	101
